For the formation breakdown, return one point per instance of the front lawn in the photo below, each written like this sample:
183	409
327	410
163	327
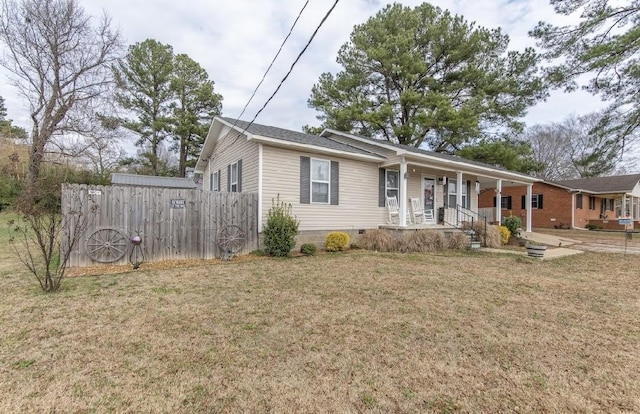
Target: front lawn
354	332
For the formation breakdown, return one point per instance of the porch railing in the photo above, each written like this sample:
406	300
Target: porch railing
467	220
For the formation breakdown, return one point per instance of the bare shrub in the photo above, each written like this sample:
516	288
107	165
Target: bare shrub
458	241
492	238
423	241
378	240
43	238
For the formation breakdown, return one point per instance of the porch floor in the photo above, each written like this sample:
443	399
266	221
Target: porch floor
419	226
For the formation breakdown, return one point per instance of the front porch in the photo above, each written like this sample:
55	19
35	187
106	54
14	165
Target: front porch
449	198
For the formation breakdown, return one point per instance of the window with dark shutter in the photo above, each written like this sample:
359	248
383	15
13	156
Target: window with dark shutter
579	201
305	180
335	182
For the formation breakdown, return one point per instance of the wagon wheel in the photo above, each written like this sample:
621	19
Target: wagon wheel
230	239
106	245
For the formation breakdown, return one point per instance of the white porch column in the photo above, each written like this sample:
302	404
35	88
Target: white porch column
623	206
458	195
528	206
403	193
499	201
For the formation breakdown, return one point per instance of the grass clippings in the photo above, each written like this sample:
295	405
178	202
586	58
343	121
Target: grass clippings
355	332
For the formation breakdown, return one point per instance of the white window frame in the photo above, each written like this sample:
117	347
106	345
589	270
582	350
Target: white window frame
233	185
455	195
214	181
386	181
327	182
535	201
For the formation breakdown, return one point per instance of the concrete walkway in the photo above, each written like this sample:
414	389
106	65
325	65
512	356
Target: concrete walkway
549	239
551	253
557	245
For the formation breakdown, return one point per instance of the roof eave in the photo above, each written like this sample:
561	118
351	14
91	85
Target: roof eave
313	148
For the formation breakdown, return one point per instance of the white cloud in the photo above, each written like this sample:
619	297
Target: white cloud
235	41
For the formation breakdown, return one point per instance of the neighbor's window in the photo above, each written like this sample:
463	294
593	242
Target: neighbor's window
592	203
393	184
233	181
505	202
320	181
214	181
535	201
578	200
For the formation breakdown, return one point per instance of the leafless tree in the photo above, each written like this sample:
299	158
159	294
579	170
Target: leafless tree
549	146
579	146
59	59
43	242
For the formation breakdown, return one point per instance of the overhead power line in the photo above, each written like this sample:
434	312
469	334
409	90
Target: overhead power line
324	19
313	35
272	62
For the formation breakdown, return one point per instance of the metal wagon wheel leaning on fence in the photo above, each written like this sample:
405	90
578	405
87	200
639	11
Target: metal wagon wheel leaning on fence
230	240
107	245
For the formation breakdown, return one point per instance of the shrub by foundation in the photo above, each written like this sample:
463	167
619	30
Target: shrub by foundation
504	234
458	241
336	241
513	223
308	249
378	240
281	229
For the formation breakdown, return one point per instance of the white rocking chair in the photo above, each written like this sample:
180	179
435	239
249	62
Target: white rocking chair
419	213
394	209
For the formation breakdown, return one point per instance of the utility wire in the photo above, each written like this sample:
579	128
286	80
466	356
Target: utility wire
313	35
272	62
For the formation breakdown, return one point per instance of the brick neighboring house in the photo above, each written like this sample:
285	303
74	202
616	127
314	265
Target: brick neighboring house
599	201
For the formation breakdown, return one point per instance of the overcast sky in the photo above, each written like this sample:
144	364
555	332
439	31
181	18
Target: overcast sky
235	40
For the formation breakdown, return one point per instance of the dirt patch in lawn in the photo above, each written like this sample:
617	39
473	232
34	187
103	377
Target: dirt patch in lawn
357	332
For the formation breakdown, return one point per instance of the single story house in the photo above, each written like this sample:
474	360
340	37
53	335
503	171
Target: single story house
340	181
598	201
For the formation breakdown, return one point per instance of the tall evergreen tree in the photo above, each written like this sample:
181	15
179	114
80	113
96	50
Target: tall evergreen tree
196	105
422	75
605	44
144	79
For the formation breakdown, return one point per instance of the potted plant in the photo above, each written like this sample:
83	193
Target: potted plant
535	249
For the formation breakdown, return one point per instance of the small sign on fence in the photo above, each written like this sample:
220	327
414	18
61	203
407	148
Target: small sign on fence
178	203
95	192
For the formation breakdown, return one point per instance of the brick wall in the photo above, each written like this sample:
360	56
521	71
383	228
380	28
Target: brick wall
556	207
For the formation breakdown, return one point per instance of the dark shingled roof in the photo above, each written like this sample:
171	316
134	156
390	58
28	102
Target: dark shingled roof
297	137
614	184
454	158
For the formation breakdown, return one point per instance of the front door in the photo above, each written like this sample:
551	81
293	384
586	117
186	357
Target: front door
429	196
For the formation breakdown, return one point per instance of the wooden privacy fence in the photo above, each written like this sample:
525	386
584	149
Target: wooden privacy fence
173	224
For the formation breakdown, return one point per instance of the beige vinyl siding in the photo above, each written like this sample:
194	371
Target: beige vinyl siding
358	195
414	185
229	150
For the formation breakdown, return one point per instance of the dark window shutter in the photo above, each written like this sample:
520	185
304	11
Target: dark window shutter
335	182
229	178
539	201
210	181
578	200
305	180
524	202
239	175
495	201
509	203
219	179
381	187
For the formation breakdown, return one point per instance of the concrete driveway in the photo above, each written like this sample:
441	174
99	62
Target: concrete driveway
590	241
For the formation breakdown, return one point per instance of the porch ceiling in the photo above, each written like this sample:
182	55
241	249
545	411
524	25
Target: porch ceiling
485	175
